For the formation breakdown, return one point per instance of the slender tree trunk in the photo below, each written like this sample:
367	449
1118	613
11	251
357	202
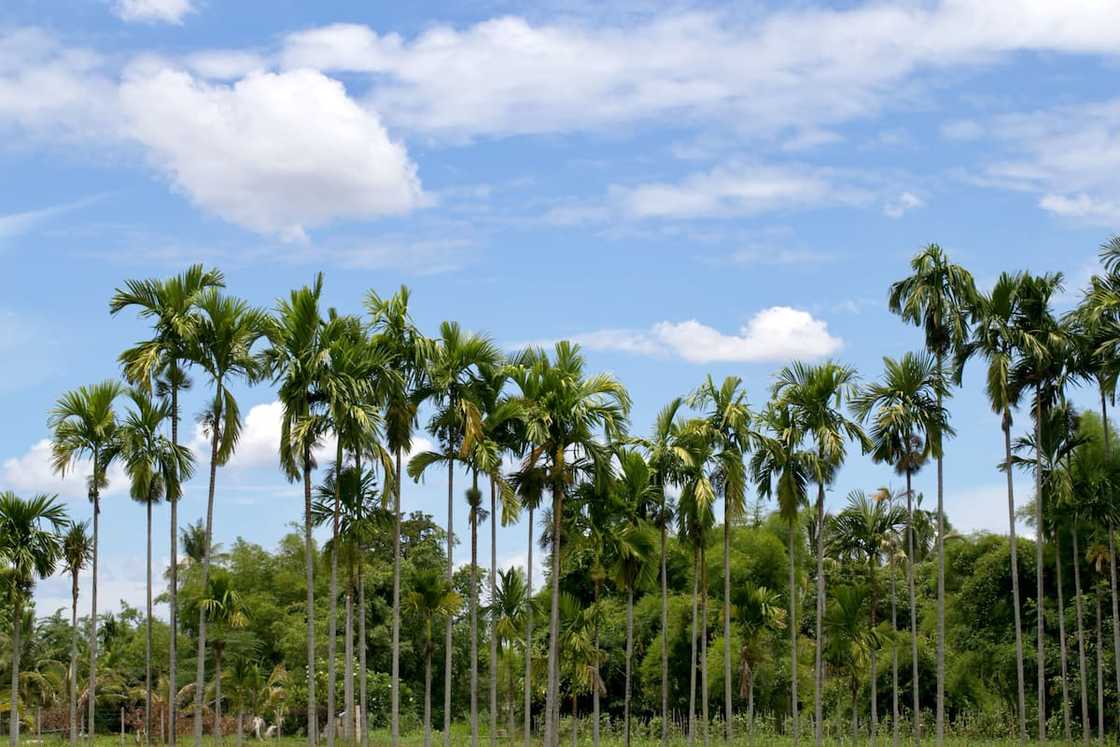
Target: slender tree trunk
332	603
428	693
217	730
1015	579
1062	637
793	629
818	689
1112	555
552	724
664	629
705	722
493	595
529	639
1083	668
894	656
13	711
1040	541
940	571
200	667
395	682
511	696
750	708
92	725
450	576
910	558
309	561
363	699
692	650
1100	671
173	584
240	726
348	670
74	658
629	655
473	604
874	662
148	638
728	713
595	684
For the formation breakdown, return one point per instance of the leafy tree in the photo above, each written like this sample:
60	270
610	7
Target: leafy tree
430	597
77	553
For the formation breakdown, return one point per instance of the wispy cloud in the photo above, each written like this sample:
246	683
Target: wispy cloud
16	224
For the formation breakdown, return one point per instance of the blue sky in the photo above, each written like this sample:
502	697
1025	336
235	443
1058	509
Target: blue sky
682	187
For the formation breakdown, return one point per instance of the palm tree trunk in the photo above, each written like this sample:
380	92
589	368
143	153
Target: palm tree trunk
818	689
493	595
529	639
552	723
874	662
629	655
1040	541
74	658
13	714
894	656
728	714
940	569
148	638
332	603
664	630
1083	669
173	584
240	726
1062	637
92	725
395	682
793	629
309	562
1100	671
428	692
363	700
450	576
200	667
692	651
704	643
510	696
1015	579
595	682
910	557
473	603
348	670
217	730
1112	555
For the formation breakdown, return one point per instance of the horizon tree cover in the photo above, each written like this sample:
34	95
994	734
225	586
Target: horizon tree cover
578	285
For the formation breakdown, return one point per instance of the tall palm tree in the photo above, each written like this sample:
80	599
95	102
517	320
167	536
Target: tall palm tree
861	531
155	468
30	547
408	349
429	597
77	552
816	395
908	420
781	467
994	338
563	412
453	364
728	421
937	296
296	359
222	348
85	427
529	484
666	458
171	305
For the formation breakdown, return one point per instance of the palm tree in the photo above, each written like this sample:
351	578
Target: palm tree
728	420
430	596
171	304
666	459
222	348
861	530
453	365
562	412
816	394
296	359
529	484
408	349
936	297
850	641
907	421
85	427
759	614
155	468
580	656
994	338
222	605
509	605
30	547
781	467
77	552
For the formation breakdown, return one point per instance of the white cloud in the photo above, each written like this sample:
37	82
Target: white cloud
153	11
776	334
15	224
226	64
32	472
962	129
781	257
275	153
799	69
903	204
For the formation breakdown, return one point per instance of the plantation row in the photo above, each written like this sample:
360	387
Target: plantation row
659	617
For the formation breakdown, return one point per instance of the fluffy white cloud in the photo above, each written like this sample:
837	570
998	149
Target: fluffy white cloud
801	68
275	153
153	11
776	334
903	204
32	472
